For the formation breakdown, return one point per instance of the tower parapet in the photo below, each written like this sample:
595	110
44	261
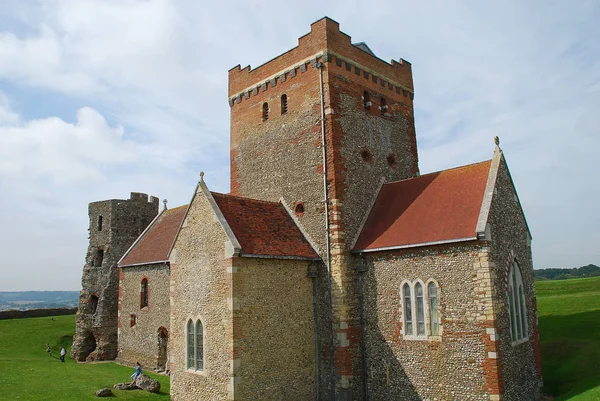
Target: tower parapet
114	225
326	43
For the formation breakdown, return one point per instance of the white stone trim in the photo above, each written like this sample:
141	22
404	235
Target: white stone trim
490	190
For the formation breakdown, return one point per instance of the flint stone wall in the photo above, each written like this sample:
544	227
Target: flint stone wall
201	289
273	334
140	343
521	363
449	367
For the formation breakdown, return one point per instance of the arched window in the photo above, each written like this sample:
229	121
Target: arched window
144	293
383	106
199	346
265	111
408	323
195	345
284	106
420	310
516	304
190	345
366	100
434	323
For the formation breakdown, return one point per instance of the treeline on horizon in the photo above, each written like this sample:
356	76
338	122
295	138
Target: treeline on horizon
563	274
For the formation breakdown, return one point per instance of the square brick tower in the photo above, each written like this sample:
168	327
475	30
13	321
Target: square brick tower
321	127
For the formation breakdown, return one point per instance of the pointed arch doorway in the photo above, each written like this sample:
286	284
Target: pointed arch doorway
163	346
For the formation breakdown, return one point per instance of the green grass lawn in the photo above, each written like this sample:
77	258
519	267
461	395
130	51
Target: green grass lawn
28	373
569	321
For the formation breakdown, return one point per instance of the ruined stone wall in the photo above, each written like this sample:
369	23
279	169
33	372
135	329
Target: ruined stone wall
521	372
451	366
96	323
140	342
201	289
273	330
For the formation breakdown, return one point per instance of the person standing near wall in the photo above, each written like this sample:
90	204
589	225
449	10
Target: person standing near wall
63	352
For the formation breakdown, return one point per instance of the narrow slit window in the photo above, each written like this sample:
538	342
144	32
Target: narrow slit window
420	310
522	307
517	311
366	100
99	258
190	345
284	104
408	329
265	111
513	323
383	106
434	325
199	346
144	293
99	223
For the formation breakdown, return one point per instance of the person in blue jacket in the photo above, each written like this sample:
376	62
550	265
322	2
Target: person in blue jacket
138	371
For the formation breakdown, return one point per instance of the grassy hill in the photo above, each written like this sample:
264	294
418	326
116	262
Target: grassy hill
28	373
569	320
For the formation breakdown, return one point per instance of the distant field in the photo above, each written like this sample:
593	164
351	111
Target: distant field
569	320
28	373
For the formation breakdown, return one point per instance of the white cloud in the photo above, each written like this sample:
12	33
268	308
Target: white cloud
145	88
61	151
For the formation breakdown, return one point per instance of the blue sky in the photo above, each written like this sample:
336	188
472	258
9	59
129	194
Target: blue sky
101	98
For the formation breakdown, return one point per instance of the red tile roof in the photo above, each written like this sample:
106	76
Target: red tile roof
440	206
155	243
263	228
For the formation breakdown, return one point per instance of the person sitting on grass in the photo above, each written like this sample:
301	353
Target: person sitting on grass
48	349
138	371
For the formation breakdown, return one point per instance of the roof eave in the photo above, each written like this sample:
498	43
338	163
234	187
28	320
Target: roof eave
419	245
145	263
289	257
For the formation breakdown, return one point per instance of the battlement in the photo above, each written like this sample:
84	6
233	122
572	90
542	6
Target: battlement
324	42
142	197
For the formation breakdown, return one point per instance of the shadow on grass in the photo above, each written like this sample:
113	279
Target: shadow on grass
570	353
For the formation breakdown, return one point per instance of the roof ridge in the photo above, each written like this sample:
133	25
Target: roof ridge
439	171
175	208
244	198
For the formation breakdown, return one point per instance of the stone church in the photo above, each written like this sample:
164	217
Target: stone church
333	270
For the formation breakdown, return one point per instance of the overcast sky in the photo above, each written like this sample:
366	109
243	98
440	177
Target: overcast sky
101	98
